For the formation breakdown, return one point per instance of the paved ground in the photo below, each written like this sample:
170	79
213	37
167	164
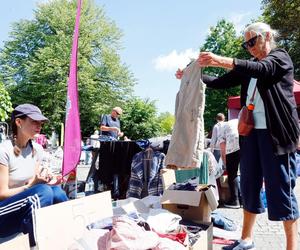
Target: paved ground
269	235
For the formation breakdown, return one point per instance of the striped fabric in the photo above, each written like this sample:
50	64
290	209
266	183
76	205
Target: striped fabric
136	182
10	213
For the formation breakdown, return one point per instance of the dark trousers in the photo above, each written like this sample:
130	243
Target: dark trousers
17	213
232	166
258	164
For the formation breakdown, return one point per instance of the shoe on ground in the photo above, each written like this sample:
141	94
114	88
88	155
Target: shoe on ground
240	245
232	204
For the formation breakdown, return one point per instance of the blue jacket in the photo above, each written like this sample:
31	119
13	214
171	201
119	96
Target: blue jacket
153	164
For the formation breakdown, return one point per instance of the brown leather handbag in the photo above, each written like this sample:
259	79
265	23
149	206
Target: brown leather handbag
246	120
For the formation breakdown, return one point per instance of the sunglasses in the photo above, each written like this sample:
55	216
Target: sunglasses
250	43
117	113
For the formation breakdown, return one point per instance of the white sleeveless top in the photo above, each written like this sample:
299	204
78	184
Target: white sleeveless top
259	110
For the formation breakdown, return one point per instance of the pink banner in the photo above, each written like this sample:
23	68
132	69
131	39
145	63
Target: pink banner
72	140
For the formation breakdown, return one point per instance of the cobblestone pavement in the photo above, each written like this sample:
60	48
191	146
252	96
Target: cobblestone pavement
268	235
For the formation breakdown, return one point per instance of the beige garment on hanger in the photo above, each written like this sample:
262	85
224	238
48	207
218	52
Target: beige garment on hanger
187	141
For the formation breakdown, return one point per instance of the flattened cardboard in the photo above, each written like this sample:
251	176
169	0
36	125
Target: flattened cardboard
211	198
168	177
20	242
128	206
57	226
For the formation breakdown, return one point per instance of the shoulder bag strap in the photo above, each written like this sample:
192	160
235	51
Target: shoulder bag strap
253	95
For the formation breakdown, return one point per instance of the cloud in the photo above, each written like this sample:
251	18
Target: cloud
174	60
42	1
240	20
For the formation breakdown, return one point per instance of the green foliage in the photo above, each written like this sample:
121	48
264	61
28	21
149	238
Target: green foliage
34	63
224	41
167	121
5	103
139	120
284	16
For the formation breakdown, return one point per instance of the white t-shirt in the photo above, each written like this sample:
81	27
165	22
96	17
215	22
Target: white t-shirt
229	134
94	141
20	168
214	145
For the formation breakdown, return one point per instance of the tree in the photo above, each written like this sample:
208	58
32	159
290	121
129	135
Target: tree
224	41
34	63
5	103
167	121
139	120
284	16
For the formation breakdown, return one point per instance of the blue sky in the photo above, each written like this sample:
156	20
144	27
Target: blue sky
158	35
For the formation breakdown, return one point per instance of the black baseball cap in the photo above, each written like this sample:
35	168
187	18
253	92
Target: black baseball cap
29	110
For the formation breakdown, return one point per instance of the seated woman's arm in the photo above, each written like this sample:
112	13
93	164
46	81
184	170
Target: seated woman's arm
6	192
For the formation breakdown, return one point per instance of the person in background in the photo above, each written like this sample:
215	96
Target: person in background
214	145
41	139
230	152
94	139
95	143
24	184
110	124
53	140
268	152
2	133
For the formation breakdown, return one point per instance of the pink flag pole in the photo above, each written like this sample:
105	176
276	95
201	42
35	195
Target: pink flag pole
72	138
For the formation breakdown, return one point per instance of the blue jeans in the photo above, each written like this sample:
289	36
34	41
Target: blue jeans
17	213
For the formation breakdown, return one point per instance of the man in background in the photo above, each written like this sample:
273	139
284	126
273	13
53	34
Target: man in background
110	124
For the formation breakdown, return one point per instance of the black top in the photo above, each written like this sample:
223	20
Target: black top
275	75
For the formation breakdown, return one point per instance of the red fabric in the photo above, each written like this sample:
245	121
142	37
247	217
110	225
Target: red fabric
233	102
297	91
179	237
222	241
42	140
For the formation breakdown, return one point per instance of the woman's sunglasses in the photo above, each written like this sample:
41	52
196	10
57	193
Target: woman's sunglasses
250	43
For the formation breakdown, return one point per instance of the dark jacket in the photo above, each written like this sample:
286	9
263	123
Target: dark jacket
275	75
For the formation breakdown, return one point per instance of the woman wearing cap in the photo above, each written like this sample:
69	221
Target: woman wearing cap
24	187
268	152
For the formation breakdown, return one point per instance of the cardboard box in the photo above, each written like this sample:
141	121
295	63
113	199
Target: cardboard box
57	226
20	242
224	192
191	205
204	242
224	181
